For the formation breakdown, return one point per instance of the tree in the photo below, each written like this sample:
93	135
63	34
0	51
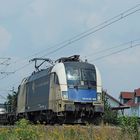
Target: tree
110	116
11	103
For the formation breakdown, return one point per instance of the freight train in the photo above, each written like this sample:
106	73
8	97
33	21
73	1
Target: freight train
68	91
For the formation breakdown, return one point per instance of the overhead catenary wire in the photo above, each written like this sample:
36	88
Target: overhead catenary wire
116	52
98	58
113	48
113	53
87	33
97	28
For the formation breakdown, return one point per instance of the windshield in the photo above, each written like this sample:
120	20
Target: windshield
80	76
73	75
88	75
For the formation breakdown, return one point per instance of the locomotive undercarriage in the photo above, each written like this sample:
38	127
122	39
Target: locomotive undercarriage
80	118
81	113
73	114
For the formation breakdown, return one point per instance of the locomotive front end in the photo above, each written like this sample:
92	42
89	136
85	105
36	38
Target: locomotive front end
80	92
84	93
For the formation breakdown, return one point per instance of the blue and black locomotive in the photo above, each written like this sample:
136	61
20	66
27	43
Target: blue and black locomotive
68	91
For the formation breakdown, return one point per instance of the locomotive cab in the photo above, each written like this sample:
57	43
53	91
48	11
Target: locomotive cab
78	91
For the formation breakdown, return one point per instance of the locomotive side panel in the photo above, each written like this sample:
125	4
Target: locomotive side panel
38	94
21	98
57	86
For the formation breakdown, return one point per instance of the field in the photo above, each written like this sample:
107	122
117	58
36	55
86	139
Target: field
23	130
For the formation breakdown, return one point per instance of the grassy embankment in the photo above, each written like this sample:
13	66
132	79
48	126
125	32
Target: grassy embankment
23	130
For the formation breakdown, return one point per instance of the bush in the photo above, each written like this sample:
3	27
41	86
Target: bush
110	116
23	130
129	126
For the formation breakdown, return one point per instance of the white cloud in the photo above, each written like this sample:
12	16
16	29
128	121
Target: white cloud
5	38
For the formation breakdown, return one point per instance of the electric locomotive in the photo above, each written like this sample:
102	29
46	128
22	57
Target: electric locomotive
68	91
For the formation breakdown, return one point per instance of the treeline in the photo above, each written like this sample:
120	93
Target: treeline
11	102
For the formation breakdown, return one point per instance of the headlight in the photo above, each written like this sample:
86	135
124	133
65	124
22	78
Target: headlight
98	96
64	94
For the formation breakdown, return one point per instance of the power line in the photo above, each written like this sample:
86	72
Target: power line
97	28
82	35
88	32
96	59
116	52
115	47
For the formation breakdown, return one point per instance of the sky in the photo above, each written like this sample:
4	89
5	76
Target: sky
35	28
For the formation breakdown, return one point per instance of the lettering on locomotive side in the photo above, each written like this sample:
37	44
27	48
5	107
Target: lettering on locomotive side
89	99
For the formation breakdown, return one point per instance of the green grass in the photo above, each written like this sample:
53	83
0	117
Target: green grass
23	130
